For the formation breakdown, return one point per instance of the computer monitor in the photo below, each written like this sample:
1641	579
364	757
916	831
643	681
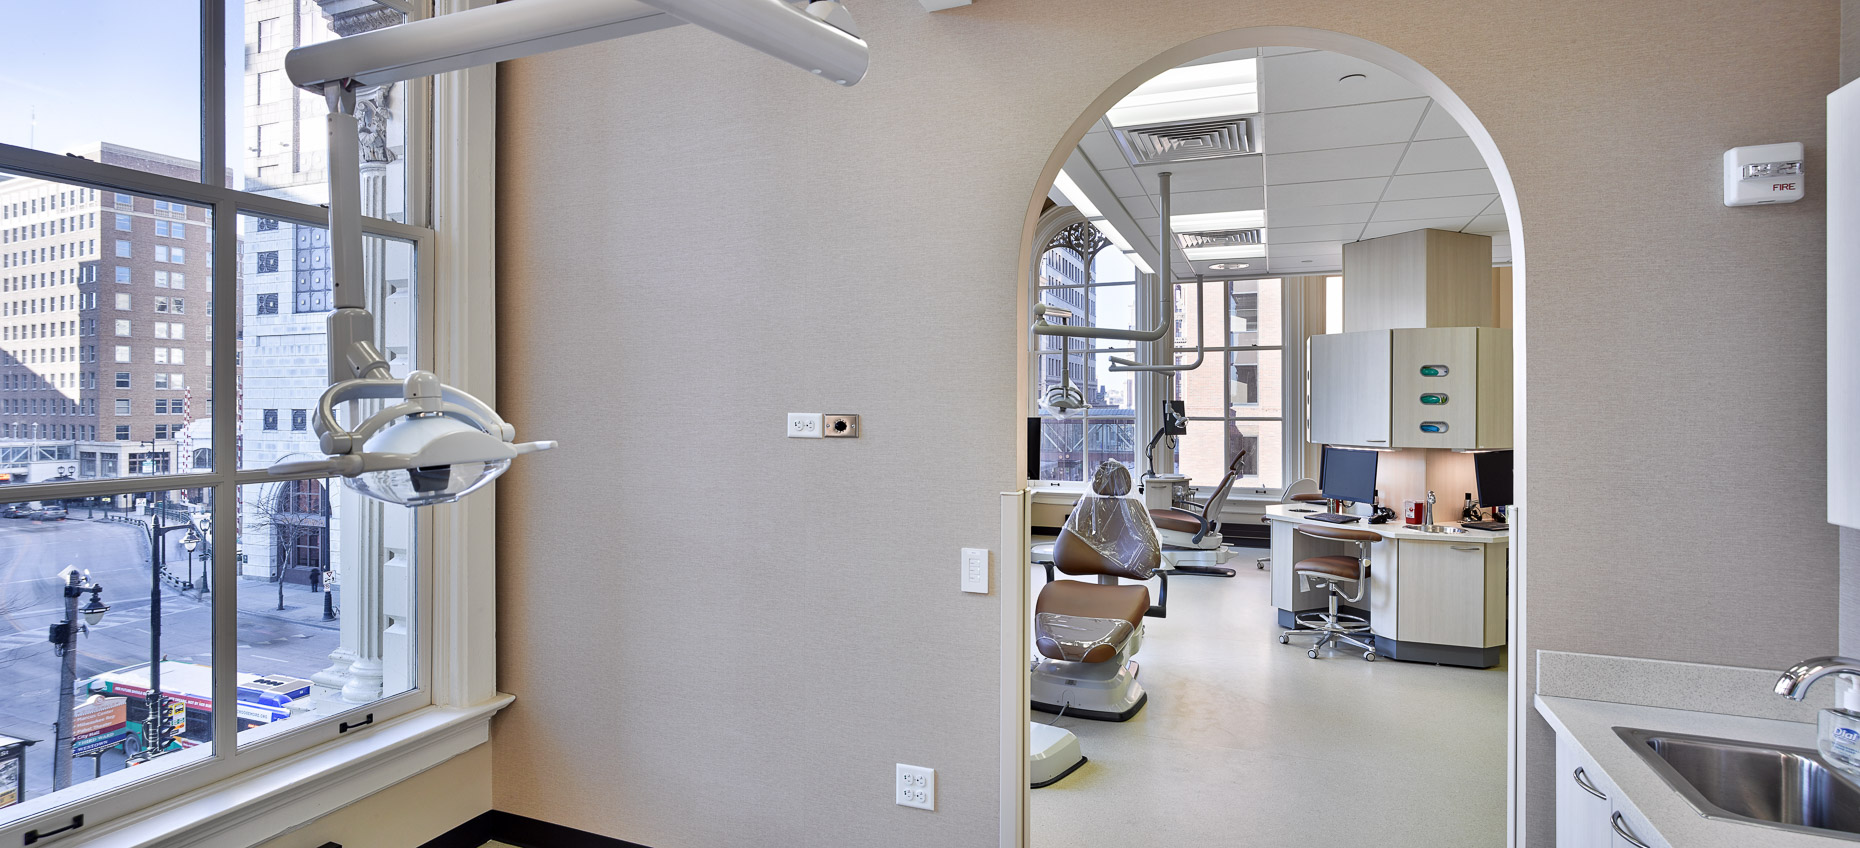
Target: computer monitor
1348	475
1492	473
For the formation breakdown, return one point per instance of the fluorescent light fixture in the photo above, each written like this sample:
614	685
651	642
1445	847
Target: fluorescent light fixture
1138	261
1213	90
1111	233
1243	220
1072	192
1236	251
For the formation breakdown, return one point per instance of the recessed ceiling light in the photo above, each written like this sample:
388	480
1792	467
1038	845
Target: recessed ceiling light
1111	233
1242	220
1071	190
1185	94
1228	266
1138	261
1237	251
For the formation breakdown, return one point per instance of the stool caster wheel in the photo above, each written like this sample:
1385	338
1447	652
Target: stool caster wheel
1311	653
1284	639
1369	656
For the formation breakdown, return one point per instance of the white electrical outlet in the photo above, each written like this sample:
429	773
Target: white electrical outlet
916	787
975	570
804	425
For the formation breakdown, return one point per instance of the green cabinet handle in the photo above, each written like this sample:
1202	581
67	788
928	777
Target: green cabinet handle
1433	370
1434	399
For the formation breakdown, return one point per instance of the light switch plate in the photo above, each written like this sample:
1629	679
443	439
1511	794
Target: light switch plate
975	570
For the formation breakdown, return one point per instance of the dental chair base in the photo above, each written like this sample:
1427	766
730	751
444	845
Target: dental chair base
1101	691
1052	753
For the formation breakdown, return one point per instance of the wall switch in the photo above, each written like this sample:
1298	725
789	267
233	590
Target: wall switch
916	787
804	425
975	570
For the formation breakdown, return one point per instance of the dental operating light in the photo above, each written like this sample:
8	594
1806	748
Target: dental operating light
439	443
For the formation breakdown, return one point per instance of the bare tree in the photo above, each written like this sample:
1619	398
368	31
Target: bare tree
294	512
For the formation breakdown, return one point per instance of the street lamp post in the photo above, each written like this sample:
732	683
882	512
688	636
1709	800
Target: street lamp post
64	635
156	725
190	542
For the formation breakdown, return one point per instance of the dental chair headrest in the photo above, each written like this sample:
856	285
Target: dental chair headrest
1111	479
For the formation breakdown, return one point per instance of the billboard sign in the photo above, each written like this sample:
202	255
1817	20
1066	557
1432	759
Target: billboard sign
98	723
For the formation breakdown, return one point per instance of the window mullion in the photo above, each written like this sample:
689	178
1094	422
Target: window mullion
213	92
225	538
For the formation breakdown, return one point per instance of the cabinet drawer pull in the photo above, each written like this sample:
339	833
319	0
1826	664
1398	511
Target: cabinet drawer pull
1621	830
1582	780
1465	547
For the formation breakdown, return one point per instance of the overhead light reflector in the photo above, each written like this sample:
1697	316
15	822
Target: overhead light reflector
1189	93
1237	251
1071	190
1138	261
1243	220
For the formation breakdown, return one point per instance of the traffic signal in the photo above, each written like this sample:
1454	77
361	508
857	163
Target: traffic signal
176	719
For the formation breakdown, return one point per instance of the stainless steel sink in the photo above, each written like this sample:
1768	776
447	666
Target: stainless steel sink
1767	785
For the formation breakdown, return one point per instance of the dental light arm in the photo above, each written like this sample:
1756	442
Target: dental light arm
1119	364
819	39
440	443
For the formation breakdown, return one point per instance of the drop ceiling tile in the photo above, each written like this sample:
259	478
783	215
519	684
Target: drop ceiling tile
1103	151
1339	164
1329	232
1440	184
1489	225
1432	207
1279	214
1123	182
1341	126
1307	265
1226	200
1325	193
1389	228
1438	124
1446	154
1313	81
1139	206
1307	250
1205	174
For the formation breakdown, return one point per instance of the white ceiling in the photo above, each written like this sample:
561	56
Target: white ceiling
1341	161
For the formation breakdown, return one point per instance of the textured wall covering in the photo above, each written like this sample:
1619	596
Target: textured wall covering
722	637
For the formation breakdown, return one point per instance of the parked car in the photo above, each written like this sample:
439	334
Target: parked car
51	513
15	511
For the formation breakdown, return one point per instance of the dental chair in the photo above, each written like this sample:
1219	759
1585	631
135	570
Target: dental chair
1188	530
1087	632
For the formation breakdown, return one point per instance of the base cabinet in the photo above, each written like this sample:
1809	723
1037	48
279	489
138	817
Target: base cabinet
1588	813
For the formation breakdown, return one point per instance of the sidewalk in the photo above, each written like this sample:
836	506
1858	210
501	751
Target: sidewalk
257	598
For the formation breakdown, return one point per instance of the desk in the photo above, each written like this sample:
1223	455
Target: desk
1432	597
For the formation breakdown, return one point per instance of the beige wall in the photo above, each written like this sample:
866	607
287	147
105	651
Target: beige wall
409	813
720	636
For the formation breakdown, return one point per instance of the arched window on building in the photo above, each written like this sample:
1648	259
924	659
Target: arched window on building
1077	272
298	513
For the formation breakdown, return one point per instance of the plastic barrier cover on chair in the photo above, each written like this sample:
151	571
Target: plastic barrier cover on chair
1117	526
1075	636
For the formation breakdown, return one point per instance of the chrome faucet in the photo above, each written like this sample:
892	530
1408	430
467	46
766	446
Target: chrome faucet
1795	681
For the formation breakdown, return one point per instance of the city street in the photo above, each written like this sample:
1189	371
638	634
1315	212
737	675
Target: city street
292	642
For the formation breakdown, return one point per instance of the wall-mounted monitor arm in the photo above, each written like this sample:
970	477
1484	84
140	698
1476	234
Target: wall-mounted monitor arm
818	39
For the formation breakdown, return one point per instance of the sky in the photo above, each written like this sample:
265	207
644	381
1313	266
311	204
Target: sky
122	71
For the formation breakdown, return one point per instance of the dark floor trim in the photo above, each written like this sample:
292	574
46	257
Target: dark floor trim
523	832
1423	652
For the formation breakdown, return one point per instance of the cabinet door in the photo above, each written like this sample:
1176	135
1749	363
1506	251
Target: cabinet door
1435	384
1443	593
1350	389
1582	806
1495	395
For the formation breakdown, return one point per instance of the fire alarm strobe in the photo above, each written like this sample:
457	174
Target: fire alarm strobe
1763	173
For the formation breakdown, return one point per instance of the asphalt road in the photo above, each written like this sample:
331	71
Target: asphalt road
117	556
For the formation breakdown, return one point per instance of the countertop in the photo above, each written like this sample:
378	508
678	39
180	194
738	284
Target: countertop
1393	530
1591	725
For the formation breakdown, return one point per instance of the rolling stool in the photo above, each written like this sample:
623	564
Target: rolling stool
1331	572
1302	491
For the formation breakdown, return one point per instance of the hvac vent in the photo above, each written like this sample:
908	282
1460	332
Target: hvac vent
1219	238
1187	141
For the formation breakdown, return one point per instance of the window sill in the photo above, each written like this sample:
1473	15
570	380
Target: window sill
276	798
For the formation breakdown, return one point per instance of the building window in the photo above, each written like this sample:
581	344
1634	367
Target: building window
1238	406
271	419
267	262
122	379
1081	272
122	407
203	459
267	304
123	222
122	353
122	327
122	300
122	248
266	225
299	419
122	274
310	282
122	435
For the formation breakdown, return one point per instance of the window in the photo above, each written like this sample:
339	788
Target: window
177	306
177	331
122	379
122	300
161	380
1078	273
161	405
123	201
122	407
161	304
299	419
1238	405
122	252
267	304
161	279
161	253
161	432
268	261
176	280
266	225
122	272
122	435
177	255
271	419
123	222
122	353
161	356
122	328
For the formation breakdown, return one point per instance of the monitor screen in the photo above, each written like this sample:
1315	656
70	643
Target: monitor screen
1492	471
1348	475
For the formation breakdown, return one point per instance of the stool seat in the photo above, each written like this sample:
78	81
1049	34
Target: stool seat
1340	567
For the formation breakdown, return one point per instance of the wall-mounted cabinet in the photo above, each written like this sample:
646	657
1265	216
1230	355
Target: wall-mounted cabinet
1437	387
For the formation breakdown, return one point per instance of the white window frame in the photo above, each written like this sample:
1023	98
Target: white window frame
241	793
